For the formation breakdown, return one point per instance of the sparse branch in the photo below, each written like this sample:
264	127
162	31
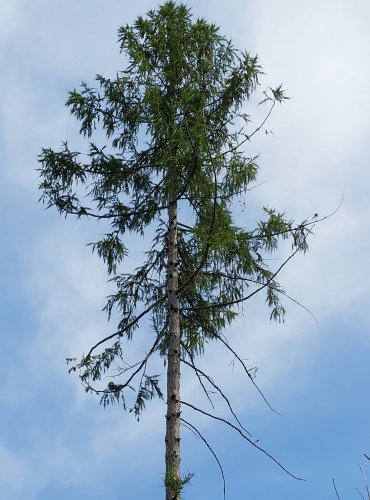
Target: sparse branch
361	495
127	327
141	365
227	196
227	345
244	436
336	491
199	373
247	137
365	481
197	433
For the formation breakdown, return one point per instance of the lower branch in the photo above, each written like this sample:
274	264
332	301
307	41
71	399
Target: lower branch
127	327
227	345
199	372
244	437
197	433
336	491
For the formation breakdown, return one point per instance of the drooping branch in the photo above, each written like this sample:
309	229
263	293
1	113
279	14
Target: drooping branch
219	274
336	491
227	345
198	434
365	482
219	337
244	436
127	327
199	373
243	299
141	365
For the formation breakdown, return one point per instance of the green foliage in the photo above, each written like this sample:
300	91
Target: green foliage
175	121
176	485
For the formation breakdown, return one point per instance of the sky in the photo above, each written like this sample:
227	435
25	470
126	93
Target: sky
56	442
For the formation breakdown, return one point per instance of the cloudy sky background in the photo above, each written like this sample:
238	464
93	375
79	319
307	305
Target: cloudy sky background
56	442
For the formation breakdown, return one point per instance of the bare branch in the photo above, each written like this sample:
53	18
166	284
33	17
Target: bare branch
365	481
199	372
361	495
197	433
336	491
227	345
244	437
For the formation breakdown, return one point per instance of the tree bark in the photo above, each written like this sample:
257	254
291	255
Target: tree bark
173	476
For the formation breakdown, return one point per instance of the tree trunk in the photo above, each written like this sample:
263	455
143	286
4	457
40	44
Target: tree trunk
173	477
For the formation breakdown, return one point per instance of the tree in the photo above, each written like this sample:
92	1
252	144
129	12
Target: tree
174	161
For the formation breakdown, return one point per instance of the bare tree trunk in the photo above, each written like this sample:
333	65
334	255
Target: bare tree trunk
173	477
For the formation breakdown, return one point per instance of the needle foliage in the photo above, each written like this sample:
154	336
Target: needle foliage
176	120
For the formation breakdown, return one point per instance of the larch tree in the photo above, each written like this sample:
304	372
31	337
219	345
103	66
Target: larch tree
174	161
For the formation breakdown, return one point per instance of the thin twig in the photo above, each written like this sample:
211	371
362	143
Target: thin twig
243	299
361	495
250	280
365	481
127	327
244	437
210	380
196	432
200	380
336	491
141	364
219	337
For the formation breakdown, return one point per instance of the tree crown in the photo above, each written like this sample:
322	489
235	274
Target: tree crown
176	132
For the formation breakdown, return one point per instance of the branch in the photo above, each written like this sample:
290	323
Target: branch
250	280
208	244
361	495
238	358
141	364
198	371
127	327
365	481
304	224
226	196
199	378
336	491
197	433
243	436
248	137
238	301
226	344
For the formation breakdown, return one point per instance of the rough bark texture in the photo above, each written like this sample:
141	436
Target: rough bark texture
173	478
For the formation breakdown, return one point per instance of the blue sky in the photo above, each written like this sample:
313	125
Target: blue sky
58	443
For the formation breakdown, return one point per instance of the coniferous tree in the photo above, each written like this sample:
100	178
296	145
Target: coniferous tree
175	160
